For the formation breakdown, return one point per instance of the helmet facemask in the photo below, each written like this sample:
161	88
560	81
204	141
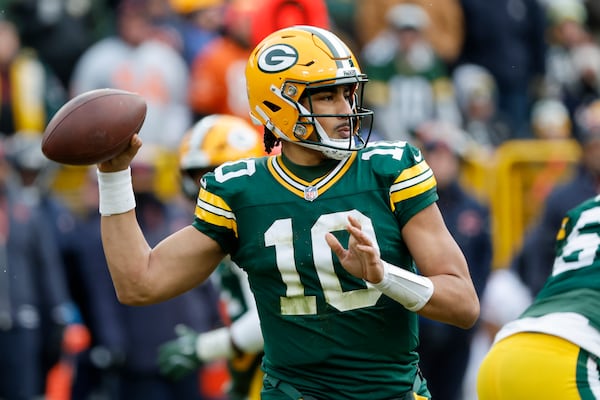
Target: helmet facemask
310	133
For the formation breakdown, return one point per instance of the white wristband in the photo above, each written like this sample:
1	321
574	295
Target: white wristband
246	334
116	192
411	290
214	345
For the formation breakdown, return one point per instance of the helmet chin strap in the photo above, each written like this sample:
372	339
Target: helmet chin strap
337	149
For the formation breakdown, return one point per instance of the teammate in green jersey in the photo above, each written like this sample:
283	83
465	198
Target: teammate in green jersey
343	243
212	141
552	350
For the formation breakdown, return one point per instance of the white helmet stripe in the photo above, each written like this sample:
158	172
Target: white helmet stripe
200	130
340	51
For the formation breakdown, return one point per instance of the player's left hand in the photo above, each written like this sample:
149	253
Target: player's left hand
177	358
361	258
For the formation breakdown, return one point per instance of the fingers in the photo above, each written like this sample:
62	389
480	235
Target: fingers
136	143
335	245
355	229
358	238
123	160
354	222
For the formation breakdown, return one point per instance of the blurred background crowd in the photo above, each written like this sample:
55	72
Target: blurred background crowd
503	96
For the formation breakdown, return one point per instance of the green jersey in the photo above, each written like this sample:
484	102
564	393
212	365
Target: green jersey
325	331
244	368
568	305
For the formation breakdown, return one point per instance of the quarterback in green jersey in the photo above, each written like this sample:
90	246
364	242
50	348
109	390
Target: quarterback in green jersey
342	240
552	350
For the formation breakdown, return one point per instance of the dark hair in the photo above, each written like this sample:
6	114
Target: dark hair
270	140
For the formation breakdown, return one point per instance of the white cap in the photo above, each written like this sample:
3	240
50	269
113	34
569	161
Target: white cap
473	81
566	10
407	16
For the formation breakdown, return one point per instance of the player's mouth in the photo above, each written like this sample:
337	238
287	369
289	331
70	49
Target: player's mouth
343	130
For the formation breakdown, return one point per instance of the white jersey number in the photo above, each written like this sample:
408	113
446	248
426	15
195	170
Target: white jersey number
280	235
581	248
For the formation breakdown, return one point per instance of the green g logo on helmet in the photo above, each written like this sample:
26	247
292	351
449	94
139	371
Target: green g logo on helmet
277	58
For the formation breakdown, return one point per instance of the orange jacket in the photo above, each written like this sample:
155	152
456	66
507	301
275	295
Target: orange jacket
218	82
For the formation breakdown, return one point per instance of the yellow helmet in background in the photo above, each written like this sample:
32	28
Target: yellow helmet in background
212	141
216	139
190	6
285	65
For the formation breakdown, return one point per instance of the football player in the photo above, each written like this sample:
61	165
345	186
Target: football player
552	350
343	243
212	141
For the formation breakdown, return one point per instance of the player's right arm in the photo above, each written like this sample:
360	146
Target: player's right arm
142	274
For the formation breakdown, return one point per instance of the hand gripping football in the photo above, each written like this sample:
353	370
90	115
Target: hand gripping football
93	127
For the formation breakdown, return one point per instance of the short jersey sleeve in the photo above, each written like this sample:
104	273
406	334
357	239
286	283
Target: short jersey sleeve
412	185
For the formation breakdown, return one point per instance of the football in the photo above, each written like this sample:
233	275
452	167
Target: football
93	127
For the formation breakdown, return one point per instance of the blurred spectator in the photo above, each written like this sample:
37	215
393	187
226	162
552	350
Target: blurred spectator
444	349
201	23
593	10
139	60
212	141
273	15
567	22
61	30
586	62
568	69
98	369
34	173
477	98
446	31
408	82
550	119
34	301
121	363
30	93
507	37
534	266
217	72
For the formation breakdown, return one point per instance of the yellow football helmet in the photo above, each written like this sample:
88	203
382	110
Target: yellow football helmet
212	141
291	62
190	6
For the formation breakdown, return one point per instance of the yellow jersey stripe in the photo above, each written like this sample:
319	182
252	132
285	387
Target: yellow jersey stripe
297	185
413	185
413	171
280	178
283	170
214	210
327	183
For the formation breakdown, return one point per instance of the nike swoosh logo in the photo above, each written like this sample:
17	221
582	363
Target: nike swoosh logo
419	157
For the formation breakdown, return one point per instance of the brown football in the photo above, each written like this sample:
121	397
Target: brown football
93	127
